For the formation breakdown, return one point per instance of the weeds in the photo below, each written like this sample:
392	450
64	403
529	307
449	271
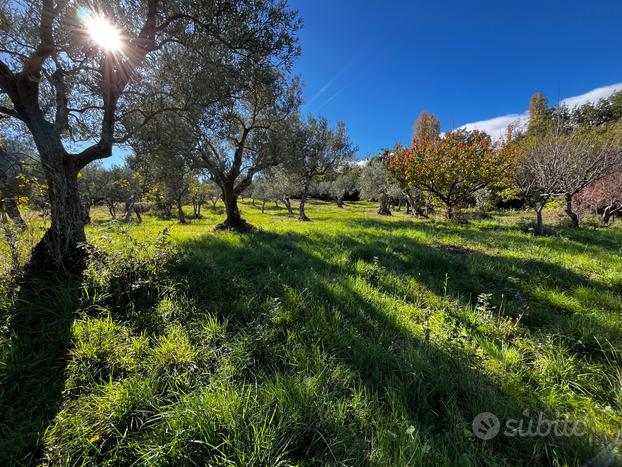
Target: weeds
274	348
127	273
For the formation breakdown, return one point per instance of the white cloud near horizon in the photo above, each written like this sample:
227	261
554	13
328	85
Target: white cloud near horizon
592	96
496	127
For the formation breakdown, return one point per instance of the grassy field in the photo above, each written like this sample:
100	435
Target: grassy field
350	340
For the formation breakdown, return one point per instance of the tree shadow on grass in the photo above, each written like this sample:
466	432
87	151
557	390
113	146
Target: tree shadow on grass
550	297
34	355
435	388
563	239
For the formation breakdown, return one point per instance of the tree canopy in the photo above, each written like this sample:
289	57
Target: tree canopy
451	167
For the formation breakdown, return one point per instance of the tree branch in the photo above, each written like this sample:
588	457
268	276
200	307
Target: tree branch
7	80
9	112
114	83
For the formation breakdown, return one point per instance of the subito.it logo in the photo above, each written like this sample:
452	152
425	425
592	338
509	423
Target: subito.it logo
486	426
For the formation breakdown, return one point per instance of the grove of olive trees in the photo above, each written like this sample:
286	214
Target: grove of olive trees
165	298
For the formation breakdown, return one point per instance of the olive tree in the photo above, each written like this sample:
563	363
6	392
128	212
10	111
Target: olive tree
342	183
161	156
235	105
261	190
317	149
283	184
248	136
202	190
11	171
60	84
117	188
68	76
99	185
376	184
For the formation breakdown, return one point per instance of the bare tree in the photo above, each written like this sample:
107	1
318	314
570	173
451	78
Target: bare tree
611	189
583	157
563	163
604	196
536	175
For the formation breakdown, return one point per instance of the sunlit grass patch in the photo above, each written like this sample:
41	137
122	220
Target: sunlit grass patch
349	340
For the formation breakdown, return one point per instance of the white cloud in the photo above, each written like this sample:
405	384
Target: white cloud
593	96
497	127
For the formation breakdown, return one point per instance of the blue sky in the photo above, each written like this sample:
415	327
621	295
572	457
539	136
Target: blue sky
377	64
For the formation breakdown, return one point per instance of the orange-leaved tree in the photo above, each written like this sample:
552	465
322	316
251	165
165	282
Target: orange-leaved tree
451	167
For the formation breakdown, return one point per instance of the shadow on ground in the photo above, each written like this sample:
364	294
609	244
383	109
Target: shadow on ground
551	297
434	386
34	357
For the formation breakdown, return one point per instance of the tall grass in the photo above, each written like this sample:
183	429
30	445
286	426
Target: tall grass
350	340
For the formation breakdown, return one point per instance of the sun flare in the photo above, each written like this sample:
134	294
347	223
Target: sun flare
103	33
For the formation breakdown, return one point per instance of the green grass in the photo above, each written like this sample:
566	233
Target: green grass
350	340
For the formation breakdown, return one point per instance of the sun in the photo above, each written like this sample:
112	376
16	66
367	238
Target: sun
103	33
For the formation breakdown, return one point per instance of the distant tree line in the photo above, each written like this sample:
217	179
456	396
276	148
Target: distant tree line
200	92
203	96
574	155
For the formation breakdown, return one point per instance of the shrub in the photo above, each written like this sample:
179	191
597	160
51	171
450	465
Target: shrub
134	276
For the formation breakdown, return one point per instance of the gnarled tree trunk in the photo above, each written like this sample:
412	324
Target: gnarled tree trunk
449	212
574	219
131	208
340	201
610	211
234	220
59	249
180	213
414	205
384	209
112	209
12	210
302	216
196	208
288	204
